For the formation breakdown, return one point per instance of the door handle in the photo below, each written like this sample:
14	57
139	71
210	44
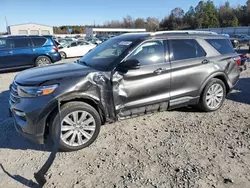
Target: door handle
205	61
159	70
10	52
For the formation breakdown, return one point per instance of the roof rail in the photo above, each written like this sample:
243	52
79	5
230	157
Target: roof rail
183	32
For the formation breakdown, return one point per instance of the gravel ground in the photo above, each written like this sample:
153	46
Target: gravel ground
180	148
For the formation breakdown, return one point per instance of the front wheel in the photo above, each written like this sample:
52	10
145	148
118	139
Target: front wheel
80	126
213	95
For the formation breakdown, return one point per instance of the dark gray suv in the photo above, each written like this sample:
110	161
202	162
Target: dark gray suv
126	76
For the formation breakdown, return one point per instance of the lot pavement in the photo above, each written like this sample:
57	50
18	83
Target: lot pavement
180	148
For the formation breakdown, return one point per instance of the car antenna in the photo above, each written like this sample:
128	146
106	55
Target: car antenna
40	175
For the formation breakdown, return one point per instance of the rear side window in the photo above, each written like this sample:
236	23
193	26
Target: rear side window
73	44
21	43
223	46
186	49
38	41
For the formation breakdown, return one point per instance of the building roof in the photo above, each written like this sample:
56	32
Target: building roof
29	23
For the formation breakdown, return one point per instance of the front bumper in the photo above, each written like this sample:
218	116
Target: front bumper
32	125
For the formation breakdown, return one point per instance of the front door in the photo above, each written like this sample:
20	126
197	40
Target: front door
147	88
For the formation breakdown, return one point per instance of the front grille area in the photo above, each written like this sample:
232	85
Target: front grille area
13	93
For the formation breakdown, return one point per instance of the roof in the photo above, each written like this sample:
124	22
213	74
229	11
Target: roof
164	34
118	29
29	23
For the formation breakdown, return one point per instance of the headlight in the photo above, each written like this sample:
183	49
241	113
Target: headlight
24	91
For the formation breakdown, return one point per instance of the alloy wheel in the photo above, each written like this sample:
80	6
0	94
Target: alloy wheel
43	62
214	96
77	128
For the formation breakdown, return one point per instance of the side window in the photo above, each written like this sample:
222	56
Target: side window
73	44
21	42
38	41
151	52
223	46
5	43
186	49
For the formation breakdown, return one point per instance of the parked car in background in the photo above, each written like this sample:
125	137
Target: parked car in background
66	41
76	49
93	40
27	51
244	61
241	40
127	76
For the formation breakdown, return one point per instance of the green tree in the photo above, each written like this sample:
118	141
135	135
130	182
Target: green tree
227	17
206	15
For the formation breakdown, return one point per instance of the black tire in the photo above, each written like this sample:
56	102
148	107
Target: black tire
67	109
42	61
203	104
63	55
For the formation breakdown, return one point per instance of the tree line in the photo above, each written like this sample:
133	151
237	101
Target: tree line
204	15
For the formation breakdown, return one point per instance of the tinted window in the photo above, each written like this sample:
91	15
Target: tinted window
21	43
224	46
38	41
186	49
5	43
149	53
73	44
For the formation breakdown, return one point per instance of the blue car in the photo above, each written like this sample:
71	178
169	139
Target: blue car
27	51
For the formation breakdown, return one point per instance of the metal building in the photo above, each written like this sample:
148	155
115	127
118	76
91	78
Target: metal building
110	31
30	29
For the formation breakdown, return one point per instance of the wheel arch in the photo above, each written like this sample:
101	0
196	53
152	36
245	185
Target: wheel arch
218	75
86	99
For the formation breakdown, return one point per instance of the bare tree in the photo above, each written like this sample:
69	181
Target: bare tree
152	24
128	21
139	23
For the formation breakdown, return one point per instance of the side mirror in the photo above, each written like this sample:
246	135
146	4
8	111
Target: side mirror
130	64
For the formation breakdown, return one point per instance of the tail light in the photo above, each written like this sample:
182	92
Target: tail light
237	59
56	49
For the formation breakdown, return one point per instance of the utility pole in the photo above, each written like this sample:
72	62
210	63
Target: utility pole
6	21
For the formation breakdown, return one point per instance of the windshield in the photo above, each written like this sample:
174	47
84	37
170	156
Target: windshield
104	55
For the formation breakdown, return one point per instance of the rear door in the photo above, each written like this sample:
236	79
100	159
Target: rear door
190	68
23	52
147	88
6	53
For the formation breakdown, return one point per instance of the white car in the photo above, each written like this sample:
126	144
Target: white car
76	49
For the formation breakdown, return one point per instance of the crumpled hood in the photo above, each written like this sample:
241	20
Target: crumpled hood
37	76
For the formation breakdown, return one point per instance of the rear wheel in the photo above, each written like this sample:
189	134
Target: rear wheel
63	55
213	95
80	126
42	61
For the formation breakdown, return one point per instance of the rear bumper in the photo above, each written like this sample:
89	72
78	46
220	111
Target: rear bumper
55	57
